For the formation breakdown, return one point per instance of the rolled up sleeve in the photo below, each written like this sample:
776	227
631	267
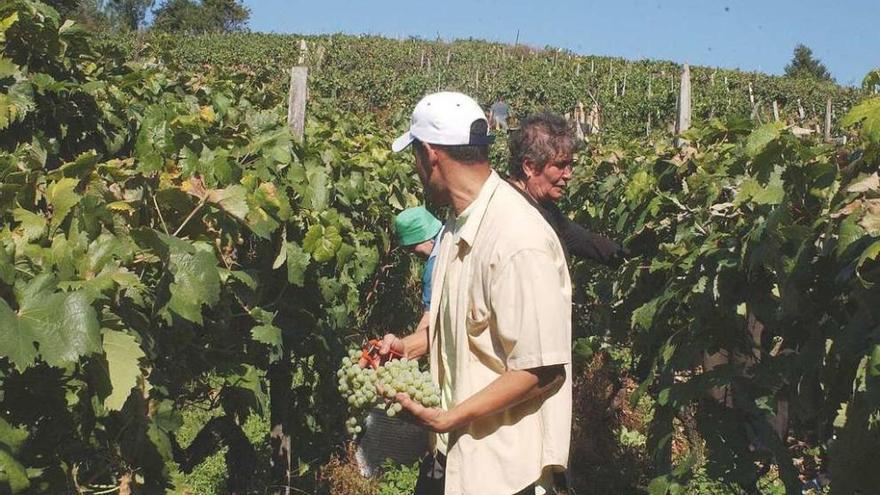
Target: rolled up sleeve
531	311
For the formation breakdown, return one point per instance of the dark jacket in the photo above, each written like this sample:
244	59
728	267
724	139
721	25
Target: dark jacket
577	241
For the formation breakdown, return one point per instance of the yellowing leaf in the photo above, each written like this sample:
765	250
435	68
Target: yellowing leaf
865	184
207	114
120	206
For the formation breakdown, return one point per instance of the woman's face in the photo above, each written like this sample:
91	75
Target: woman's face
550	182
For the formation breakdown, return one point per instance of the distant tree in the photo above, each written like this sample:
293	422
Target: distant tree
226	15
64	7
180	16
129	14
207	16
89	13
804	66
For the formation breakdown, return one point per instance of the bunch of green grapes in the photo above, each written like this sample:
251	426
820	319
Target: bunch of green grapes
361	388
403	375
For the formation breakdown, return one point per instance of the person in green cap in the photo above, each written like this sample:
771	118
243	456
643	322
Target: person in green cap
419	231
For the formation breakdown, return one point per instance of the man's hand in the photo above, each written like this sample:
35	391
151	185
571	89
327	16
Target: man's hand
432	418
390	342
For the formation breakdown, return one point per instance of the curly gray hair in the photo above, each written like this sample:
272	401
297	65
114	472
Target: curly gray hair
541	138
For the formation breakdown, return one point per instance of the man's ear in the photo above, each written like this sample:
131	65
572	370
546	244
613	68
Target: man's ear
432	154
529	168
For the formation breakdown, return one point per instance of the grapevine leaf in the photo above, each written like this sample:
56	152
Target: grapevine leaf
16	342
297	263
868	113
65	325
13	472
123	353
267	334
196	283
33	226
871	221
643	316
850	231
62	198
232	200
318	194
865	184
261	223
761	137
7	68
322	242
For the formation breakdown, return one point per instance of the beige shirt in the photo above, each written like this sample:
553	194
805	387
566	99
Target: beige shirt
504	275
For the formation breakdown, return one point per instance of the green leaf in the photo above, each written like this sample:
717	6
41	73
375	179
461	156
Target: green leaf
868	113
13	472
33	226
751	189
318	193
322	242
643	316
16	343
81	166
62	198
761	137
232	200
12	438
122	352
297	263
658	486
7	68
65	325
196	283
261	223
267	334
850	231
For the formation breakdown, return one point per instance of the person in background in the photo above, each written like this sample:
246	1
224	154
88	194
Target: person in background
541	158
499	336
419	232
499	112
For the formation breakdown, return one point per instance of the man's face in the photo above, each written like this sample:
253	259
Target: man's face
550	182
427	175
423	249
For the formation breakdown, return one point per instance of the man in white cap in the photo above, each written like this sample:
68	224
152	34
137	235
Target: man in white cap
500	329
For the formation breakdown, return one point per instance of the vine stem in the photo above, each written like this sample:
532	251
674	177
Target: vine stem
191	214
156	204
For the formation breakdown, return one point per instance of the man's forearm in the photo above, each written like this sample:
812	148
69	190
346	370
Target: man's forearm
416	344
506	391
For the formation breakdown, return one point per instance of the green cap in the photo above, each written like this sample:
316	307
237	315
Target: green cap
415	225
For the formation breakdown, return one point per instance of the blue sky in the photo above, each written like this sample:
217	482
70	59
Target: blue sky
744	34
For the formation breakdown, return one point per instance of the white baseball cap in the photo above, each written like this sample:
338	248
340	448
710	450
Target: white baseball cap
445	118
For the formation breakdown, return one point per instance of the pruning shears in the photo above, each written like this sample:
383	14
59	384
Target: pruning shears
370	353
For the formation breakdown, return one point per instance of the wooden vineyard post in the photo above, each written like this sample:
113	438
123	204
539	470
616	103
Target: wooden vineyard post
801	114
775	111
303	53
296	101
319	56
828	120
683	119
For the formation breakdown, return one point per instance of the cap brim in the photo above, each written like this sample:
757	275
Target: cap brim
402	142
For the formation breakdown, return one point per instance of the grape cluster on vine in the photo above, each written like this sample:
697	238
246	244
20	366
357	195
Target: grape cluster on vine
368	388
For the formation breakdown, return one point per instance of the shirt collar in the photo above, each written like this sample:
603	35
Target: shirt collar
467	224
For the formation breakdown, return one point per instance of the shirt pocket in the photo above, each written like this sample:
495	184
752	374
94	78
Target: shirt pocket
476	318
